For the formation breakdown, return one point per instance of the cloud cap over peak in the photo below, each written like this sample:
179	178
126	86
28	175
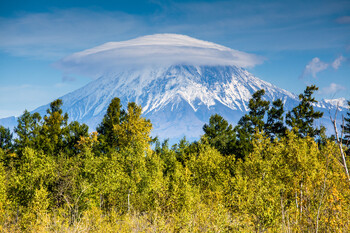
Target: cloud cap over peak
158	49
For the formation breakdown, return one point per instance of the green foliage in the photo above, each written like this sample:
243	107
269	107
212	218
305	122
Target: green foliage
274	126
302	117
251	123
220	134
5	138
53	129
134	130
346	126
209	171
27	131
254	120
288	185
113	181
73	134
3	187
114	116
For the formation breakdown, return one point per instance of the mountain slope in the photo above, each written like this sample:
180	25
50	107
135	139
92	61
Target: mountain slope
178	80
178	99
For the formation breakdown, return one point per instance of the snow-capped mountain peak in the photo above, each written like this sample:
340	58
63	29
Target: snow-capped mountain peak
178	80
170	95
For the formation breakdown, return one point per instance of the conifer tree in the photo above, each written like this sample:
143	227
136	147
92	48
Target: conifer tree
5	138
74	133
255	118
250	123
274	126
181	149
115	115
54	129
346	126
27	130
302	117
220	134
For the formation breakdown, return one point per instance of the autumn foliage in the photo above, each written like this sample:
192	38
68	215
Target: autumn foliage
260	176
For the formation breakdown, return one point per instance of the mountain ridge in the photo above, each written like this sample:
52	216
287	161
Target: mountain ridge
179	81
178	99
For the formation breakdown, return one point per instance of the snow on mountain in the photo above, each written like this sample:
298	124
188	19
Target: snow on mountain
178	99
333	103
178	80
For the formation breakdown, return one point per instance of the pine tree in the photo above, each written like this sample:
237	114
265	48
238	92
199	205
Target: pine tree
302	117
274	126
5	138
74	133
251	123
346	126
115	116
27	130
220	134
54	129
254	120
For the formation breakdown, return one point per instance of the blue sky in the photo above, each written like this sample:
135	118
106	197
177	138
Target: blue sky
302	42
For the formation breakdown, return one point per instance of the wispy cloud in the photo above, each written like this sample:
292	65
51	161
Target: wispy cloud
158	49
313	67
316	65
337	62
333	88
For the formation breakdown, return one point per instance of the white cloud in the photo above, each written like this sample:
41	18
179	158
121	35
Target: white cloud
158	49
337	62
332	89
314	66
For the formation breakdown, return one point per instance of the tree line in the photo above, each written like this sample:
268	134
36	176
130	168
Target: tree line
273	171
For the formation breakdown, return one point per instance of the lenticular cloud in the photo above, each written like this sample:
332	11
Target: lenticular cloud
153	50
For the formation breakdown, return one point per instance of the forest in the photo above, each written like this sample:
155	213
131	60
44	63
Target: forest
275	171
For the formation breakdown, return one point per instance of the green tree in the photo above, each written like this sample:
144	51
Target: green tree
53	129
182	150
27	130
274	126
134	130
346	126
5	138
251	123
302	117
3	187
254	120
220	134
34	170
115	116
209	172
74	133
125	165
